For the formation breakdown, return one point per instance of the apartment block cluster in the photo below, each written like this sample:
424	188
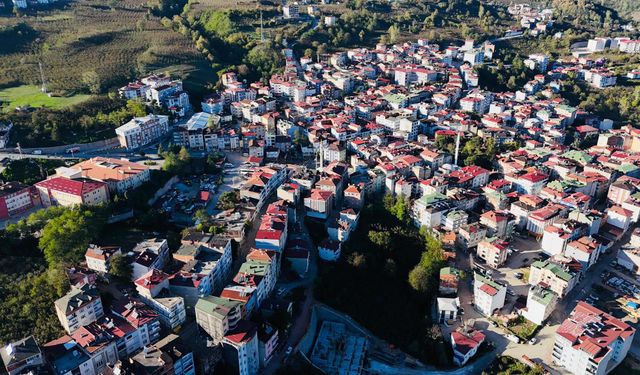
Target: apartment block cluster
24	4
90	182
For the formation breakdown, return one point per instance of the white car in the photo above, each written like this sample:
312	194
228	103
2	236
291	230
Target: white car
289	350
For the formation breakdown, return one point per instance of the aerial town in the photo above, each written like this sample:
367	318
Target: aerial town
529	208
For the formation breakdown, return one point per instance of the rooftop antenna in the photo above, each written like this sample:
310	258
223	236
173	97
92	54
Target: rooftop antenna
457	148
44	83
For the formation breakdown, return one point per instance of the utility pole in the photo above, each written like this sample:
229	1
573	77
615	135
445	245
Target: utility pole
44	84
19	149
261	28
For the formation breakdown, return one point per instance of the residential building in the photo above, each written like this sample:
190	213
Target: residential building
558	276
65	356
240	348
167	356
216	316
22	356
267	343
98	257
498	223
449	278
148	255
629	259
448	308
488	295
319	203
591	341
541	302
329	250
586	250
469	236
142	131
79	307
493	251
465	344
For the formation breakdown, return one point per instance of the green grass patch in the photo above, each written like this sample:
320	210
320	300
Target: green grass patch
13	97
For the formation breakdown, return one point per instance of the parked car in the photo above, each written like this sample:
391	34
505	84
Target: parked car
533	341
518	275
513	338
289	350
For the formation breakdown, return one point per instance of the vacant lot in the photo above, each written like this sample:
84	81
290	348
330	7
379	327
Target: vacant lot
13	97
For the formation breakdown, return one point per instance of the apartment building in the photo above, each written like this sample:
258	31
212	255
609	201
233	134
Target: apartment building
66	356
22	356
559	276
153	288
217	316
498	223
240	348
591	341
319	203
167	356
142	131
488	295
98	257
79	307
541	302
493	251
148	255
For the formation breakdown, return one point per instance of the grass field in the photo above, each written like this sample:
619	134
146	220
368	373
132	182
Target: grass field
31	95
112	43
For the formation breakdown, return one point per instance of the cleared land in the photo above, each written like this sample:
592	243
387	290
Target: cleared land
13	97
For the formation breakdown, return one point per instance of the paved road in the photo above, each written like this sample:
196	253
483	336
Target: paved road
301	324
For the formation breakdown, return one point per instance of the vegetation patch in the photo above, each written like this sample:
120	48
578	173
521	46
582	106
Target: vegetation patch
31	95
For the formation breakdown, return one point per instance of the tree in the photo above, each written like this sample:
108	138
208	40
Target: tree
92	80
65	238
357	260
419	279
394	33
381	239
120	268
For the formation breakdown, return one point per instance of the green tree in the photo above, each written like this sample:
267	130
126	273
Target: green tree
65	238
380	238
120	268
394	33
419	279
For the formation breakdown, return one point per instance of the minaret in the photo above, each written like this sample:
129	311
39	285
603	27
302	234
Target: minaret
457	148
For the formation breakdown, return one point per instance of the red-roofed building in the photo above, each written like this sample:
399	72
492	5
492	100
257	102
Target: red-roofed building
140	316
465	345
60	191
240	348
591	341
470	176
319	203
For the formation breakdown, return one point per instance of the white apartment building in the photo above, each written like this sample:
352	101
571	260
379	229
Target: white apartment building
98	257
79	307
148	255
591	342
541	302
488	295
142	131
